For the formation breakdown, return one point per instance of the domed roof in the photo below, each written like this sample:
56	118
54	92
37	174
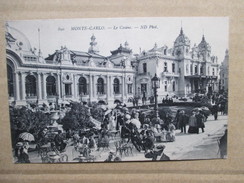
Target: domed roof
182	39
203	45
20	39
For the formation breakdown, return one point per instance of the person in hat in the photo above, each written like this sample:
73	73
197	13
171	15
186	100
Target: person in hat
183	120
148	142
193	128
126	128
171	133
200	120
24	157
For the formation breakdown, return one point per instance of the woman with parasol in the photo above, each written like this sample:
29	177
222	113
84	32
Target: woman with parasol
21	149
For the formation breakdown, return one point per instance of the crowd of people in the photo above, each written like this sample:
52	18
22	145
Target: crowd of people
133	126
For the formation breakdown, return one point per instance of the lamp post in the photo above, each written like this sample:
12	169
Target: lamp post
155	86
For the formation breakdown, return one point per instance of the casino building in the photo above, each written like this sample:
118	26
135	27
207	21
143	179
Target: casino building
88	76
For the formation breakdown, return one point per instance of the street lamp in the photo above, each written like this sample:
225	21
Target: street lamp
155	86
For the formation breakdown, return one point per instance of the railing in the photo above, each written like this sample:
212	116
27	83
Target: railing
144	74
170	74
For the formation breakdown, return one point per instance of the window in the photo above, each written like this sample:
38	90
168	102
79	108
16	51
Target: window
196	70
100	86
165	51
51	85
116	86
173	67
144	67
30	85
213	71
187	68
173	87
129	88
191	69
143	88
68	89
165	67
10	81
82	86
201	69
165	85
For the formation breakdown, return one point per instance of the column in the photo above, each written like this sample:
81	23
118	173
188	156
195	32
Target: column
44	91
23	75
123	88
75	87
90	87
93	86
59	86
108	92
111	88
72	88
17	89
199	69
39	88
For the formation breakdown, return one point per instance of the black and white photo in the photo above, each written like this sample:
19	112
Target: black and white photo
118	89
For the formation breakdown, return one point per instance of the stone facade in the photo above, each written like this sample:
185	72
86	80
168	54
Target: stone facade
224	72
87	76
182	70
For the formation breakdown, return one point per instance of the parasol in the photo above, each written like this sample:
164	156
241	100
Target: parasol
117	101
101	102
65	102
197	109
26	136
107	112
96	123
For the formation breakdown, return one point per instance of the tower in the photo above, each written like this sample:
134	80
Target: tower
204	50
181	45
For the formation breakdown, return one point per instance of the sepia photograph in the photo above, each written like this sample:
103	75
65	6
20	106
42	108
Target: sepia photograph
118	89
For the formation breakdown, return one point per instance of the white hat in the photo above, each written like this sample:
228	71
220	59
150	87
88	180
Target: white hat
127	116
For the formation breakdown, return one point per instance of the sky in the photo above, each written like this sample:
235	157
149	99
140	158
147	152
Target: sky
140	33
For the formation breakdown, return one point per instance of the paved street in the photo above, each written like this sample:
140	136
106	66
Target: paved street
186	146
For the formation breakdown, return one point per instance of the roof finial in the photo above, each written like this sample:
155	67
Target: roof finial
203	38
39	43
181	30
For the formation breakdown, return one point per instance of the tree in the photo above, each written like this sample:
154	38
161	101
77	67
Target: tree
77	117
25	120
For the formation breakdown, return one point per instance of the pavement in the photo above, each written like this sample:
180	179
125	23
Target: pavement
186	146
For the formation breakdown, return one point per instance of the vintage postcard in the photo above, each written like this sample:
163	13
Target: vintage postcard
118	89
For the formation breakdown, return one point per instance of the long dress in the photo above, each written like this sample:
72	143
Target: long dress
193	128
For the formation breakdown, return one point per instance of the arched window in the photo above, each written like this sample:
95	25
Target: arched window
165	67
51	86
144	67
213	72
100	86
173	87
187	68
30	85
116	86
82	86
191	69
201	69
10	81
165	51
196	70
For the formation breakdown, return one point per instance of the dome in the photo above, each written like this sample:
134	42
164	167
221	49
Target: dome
182	39
204	45
20	39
